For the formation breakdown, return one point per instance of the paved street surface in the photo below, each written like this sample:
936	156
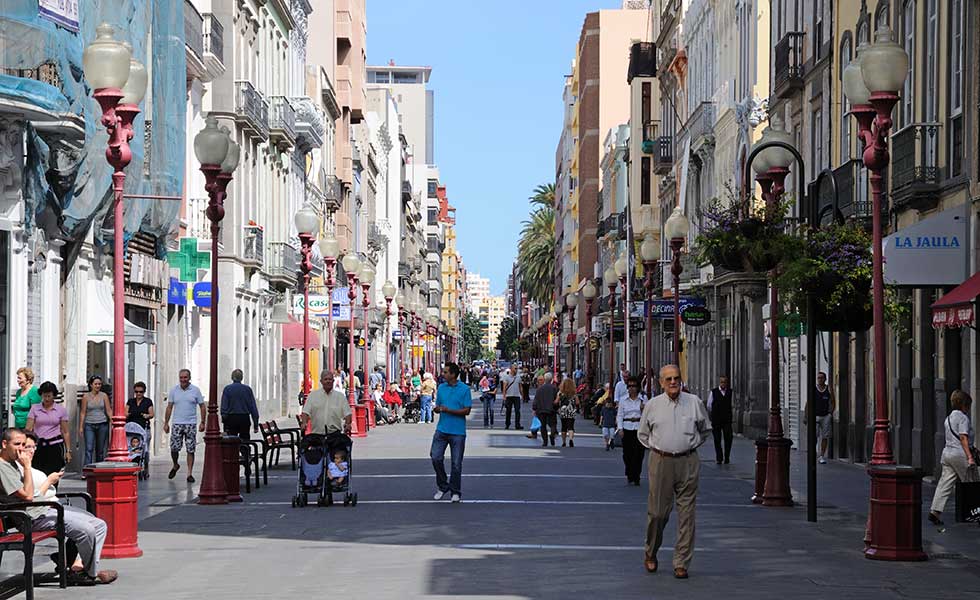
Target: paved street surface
534	523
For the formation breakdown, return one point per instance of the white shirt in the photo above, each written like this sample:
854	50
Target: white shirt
958	422
674	426
629	411
621	392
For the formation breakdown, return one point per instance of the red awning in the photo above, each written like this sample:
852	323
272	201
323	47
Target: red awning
292	337
956	308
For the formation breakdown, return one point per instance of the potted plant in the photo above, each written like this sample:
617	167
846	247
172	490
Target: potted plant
739	237
835	266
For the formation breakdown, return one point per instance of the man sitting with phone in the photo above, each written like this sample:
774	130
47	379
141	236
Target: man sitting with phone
85	531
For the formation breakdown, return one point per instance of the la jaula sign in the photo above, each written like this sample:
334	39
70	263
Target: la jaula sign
927	241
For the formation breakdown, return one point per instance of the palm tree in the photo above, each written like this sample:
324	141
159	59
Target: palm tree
543	195
536	254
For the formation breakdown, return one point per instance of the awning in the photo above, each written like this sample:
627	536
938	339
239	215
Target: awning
956	308
292	336
100	317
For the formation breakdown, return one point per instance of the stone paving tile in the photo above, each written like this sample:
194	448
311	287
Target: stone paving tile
535	523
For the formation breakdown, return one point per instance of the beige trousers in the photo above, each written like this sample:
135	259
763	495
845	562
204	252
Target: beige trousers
670	480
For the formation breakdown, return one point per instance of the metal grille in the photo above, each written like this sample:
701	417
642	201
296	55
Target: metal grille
34	304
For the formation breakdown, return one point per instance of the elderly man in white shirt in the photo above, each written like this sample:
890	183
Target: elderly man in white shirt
673	426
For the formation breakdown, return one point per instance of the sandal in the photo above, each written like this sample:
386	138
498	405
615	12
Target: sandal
173	472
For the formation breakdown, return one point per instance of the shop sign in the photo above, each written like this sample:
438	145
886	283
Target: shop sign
61	12
177	292
664	309
695	316
931	252
320	305
202	294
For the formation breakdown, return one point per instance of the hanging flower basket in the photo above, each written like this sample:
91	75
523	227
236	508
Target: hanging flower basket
736	238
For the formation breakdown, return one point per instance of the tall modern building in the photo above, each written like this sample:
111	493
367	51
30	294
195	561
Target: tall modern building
491	314
477	289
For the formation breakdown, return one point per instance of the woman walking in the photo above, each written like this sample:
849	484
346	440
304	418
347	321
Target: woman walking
94	421
25	398
958	460
567	409
487	395
627	423
427	393
50	422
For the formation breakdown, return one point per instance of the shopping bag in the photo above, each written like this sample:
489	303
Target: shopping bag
535	423
970	496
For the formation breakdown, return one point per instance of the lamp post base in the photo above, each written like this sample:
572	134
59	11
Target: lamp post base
895	517
213	479
113	487
761	455
230	452
360	417
777	491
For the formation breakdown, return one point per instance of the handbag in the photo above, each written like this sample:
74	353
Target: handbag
970	496
973	449
535	423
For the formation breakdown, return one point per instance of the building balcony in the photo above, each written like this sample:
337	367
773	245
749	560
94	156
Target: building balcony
377	236
253	245
282	123
663	154
915	166
404	270
788	63
344	85
643	61
700	127
251	110
198	225
310	128
406	191
612	228
214	45
668	52
669	18
194	41
281	263
333	194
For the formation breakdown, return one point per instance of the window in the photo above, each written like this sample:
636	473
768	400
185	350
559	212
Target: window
816	140
932	60
433	184
908	41
882	18
433	216
397	77
845	120
379	77
956	56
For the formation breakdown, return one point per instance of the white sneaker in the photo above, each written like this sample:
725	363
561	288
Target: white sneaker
822	460
440	495
456	498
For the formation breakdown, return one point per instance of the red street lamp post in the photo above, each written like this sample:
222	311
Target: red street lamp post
306	223
610	279
589	293
218	158
367	280
650	253
388	291
119	82
571	301
871	83
329	249
676	229
621	266
351	264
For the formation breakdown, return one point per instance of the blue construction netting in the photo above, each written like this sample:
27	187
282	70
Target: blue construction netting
71	192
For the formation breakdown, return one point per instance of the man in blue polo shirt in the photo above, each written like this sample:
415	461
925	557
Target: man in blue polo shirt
453	404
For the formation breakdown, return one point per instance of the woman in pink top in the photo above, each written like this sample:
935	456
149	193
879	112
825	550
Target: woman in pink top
50	422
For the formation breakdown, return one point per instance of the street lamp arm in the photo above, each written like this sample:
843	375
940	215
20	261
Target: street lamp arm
801	176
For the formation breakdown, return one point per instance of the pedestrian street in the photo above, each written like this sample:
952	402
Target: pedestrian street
534	523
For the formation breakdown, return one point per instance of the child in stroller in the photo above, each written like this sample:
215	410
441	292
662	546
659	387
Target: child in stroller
318	477
139	451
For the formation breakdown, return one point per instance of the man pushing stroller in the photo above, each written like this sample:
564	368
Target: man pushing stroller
326	409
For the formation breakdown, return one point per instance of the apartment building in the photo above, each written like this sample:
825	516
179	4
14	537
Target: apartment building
491	315
477	288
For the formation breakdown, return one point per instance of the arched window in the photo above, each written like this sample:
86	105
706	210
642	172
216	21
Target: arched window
863	36
882	16
845	120
908	41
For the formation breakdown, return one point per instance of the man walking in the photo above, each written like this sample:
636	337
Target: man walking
326	409
720	411
673	426
237	405
183	403
545	405
453	404
823	411
510	389
620	392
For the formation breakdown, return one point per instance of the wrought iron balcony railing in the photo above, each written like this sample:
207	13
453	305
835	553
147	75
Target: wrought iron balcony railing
214	37
663	154
282	262
193	29
282	122
252	109
253	244
788	59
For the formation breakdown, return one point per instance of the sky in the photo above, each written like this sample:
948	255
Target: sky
498	69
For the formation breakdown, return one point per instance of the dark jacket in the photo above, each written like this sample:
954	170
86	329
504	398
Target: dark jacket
721	407
544	399
238	399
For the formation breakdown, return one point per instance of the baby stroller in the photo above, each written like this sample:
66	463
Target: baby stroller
315	450
139	451
338	441
412	412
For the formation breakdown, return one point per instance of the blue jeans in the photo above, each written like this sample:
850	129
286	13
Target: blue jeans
487	410
96	442
457	444
426	409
